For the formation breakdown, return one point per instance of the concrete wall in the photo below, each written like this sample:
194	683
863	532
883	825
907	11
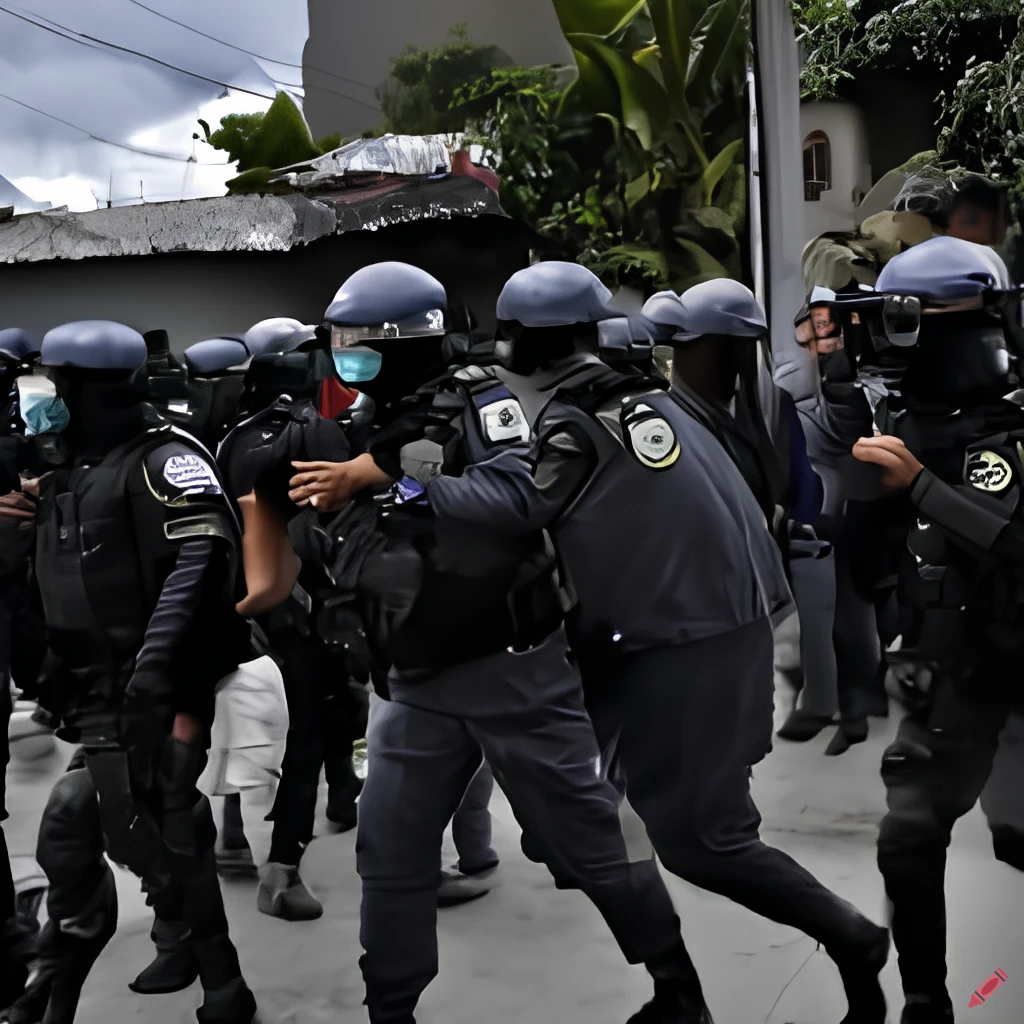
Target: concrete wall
846	128
194	296
357	40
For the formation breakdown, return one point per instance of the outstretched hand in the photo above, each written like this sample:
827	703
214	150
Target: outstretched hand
330	486
899	467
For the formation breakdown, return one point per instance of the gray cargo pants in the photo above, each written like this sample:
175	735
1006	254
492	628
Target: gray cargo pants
526	714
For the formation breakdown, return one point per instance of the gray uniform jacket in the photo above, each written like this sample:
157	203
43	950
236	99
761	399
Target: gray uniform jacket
659	535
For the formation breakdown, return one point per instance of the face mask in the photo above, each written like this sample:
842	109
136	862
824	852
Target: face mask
41	410
356	365
836	368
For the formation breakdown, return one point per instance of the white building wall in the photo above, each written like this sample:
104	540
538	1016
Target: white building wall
845	126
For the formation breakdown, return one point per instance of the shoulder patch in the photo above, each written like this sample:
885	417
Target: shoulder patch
988	471
651	438
175	472
504	420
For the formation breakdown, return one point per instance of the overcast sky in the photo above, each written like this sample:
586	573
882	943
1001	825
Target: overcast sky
130	100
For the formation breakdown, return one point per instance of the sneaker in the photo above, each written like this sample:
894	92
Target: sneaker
284	895
457	888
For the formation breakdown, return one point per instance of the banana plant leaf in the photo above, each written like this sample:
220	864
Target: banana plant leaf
596	17
716	170
675	22
642	103
724	39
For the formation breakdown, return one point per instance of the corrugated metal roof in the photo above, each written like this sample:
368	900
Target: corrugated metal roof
242	223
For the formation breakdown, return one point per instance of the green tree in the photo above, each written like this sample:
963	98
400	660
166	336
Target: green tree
418	96
265	142
975	48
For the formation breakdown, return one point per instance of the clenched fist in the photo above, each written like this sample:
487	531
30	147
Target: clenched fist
898	465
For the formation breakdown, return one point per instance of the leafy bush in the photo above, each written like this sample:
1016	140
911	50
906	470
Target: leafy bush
263	143
417	98
636	168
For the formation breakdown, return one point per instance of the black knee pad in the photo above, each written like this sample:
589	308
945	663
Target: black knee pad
206	827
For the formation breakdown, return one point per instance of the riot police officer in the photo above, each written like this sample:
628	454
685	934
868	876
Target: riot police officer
693	603
281	422
202	393
471	623
955	452
716	329
137	563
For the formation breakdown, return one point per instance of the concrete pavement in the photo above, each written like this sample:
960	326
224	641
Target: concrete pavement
530	953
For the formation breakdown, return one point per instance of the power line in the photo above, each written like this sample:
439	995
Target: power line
79	37
110	142
250	53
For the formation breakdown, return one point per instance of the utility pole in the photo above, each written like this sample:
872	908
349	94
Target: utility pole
142	197
110	191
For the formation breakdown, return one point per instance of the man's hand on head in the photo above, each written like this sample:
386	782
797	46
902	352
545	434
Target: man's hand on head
330	486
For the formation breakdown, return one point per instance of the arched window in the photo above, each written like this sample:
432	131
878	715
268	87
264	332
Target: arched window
817	166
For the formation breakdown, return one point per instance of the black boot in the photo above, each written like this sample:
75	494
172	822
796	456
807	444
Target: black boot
387	1003
859	966
924	1010
175	967
801	727
227	999
847	735
678	998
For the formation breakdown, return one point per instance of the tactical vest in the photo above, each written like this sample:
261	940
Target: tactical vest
448	593
664	543
962	609
100	569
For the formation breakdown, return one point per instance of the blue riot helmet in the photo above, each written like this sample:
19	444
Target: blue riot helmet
546	313
628	340
204	397
717	323
94	345
278	335
950	304
95	366
288	358
17	345
388	323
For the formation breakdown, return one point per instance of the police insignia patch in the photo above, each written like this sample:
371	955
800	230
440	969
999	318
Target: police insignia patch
989	472
504	421
654	443
191	474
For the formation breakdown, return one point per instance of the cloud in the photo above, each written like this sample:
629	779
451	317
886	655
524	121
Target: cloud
145	112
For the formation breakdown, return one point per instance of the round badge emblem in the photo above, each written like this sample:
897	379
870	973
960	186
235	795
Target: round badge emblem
654	443
989	472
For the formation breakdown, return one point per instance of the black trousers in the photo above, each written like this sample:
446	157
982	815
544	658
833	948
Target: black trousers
324	720
683	725
934	773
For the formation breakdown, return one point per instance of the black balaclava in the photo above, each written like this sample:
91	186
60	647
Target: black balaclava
407	364
107	408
